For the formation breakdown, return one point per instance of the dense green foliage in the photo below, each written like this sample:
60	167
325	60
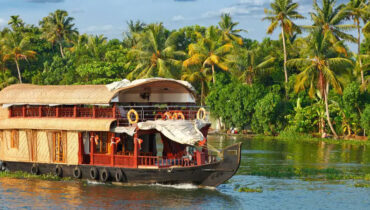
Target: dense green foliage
309	83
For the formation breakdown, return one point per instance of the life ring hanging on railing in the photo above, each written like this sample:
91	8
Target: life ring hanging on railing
201	114
132	111
159	115
167	116
178	115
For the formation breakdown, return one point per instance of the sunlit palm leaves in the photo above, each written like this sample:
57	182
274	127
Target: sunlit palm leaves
227	29
209	51
281	14
156	55
58	28
15	48
320	68
330	19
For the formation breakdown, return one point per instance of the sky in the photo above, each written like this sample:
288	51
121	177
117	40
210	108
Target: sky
109	17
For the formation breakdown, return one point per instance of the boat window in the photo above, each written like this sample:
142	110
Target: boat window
14	139
101	141
59	146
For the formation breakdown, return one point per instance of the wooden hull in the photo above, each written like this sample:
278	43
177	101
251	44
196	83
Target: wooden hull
205	175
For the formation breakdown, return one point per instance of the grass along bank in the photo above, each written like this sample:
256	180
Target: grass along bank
25	175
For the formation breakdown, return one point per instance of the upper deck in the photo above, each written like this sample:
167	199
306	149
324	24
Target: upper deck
150	98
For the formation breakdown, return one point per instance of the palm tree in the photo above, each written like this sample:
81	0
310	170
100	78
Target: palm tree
96	46
193	75
131	36
156	54
228	31
209	50
282	14
16	22
357	10
246	64
330	19
16	48
320	68
58	28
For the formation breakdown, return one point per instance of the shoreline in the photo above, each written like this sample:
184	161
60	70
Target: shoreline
292	137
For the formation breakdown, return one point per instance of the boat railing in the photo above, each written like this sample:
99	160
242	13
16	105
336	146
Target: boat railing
146	113
119	112
150	161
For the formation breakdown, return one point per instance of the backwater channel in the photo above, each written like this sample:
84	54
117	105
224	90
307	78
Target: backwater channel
286	175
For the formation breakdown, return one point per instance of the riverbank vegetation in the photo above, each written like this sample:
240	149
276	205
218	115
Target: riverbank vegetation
307	81
25	175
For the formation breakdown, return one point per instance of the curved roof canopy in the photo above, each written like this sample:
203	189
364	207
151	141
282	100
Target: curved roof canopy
97	94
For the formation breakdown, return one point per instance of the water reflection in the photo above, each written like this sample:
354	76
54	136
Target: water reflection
298	155
22	193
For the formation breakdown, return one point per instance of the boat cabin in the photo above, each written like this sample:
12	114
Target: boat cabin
147	123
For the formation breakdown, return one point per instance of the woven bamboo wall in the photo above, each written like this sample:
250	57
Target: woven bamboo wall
43	148
72	148
43	153
4	113
14	154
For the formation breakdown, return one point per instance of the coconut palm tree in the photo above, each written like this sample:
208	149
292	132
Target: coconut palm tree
198	74
156	54
282	14
130	37
15	48
16	22
227	29
320	68
58	28
357	10
209	50
246	64
330	18
96	45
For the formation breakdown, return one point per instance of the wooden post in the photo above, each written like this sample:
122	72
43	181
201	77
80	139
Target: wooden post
94	112
80	148
114	111
40	111
57	111
24	110
74	111
112	152
135	150
92	148
10	111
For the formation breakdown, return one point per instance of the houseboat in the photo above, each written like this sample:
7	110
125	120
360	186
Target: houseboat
142	131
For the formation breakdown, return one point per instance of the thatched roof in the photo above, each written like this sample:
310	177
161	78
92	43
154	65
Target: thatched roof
85	94
57	124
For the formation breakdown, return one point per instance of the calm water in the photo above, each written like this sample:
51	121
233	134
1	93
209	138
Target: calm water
257	156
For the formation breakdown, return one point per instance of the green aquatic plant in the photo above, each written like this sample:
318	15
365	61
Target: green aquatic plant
25	175
247	189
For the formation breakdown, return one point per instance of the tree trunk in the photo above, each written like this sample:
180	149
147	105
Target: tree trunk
202	93
213	74
285	58
326	93
359	51
61	50
19	71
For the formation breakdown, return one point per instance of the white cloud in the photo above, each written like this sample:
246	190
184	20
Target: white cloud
178	18
255	2
234	11
2	22
99	29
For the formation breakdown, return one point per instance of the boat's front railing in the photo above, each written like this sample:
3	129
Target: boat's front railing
146	113
200	158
